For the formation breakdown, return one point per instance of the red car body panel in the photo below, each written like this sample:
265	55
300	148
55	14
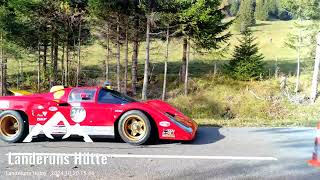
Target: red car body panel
100	118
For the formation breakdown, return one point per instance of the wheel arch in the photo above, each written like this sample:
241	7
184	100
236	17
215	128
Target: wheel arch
152	121
24	116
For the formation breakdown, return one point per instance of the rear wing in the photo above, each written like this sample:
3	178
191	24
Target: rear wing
16	92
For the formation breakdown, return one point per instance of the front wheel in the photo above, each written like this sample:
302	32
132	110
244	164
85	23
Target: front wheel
134	127
13	126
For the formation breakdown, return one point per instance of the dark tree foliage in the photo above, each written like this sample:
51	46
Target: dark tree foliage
273	8
43	27
246	63
201	21
28	22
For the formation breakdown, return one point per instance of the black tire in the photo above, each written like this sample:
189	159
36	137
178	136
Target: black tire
9	135
143	138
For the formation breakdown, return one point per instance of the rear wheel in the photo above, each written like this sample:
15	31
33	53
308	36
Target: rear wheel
12	126
134	127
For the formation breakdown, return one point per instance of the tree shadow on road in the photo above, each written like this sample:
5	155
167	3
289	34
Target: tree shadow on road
207	135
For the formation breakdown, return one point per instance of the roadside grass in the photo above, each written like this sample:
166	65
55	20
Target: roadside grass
221	101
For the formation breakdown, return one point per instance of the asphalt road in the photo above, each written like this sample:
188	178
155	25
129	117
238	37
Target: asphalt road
217	153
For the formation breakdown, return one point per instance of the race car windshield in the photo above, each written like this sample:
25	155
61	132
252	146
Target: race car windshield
113	97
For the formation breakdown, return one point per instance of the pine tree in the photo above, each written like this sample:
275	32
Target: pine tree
261	12
247	61
245	17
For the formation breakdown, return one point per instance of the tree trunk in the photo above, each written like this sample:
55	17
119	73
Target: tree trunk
118	53
314	86
44	57
4	77
215	69
66	78
108	53
184	59
298	61
187	67
62	63
165	67
126	61
39	67
20	79
44	62
52	61
146	64
55	62
79	55
134	68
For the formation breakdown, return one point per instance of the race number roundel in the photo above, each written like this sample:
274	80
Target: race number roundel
78	114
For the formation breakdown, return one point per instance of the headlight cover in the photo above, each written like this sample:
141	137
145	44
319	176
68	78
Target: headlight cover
181	125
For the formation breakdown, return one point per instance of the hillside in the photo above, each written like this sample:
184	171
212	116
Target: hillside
216	100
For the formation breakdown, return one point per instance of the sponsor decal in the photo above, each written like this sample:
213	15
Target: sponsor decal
44	113
40	115
118	110
168	133
42	119
50	127
4	104
164	124
53	109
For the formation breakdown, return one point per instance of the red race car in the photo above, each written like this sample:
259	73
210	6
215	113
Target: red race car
89	112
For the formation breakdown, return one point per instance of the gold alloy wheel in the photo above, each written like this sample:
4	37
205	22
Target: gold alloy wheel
134	128
9	126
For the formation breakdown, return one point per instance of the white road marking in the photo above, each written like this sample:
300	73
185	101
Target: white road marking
248	158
